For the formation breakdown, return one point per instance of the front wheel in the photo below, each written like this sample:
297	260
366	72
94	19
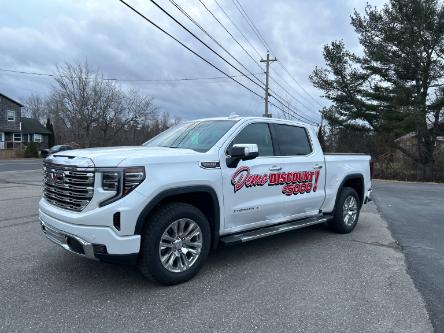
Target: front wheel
346	212
175	243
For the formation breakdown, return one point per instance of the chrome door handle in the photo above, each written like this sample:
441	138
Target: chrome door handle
275	168
317	166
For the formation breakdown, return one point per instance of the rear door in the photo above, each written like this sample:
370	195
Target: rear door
301	170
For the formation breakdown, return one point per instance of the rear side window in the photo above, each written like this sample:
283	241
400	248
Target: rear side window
292	140
259	134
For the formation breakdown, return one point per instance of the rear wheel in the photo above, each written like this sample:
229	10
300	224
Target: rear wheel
175	243
346	212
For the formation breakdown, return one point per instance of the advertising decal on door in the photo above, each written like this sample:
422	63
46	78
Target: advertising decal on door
297	182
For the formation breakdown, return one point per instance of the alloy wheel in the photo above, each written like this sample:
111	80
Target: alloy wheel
350	210
180	245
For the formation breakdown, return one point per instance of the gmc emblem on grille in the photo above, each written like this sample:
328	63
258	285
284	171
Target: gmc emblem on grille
55	177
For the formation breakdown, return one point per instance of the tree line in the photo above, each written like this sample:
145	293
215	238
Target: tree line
85	109
393	87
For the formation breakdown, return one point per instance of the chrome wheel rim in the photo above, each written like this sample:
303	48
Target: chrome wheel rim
350	210
180	245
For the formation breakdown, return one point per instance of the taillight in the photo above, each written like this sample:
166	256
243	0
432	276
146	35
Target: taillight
372	168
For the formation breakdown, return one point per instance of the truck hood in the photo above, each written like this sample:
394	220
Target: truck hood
129	155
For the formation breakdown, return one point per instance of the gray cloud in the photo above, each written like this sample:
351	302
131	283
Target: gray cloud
39	35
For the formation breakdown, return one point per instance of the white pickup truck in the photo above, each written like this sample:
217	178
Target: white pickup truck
165	204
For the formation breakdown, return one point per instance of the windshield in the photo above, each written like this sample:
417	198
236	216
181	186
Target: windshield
198	135
54	149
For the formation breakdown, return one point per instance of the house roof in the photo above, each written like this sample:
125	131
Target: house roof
413	134
31	126
4	96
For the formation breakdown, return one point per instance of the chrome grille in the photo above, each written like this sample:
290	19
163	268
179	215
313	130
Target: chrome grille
68	187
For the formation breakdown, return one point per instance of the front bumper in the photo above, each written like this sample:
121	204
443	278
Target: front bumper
90	241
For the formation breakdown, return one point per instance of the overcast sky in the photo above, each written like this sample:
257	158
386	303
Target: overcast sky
38	35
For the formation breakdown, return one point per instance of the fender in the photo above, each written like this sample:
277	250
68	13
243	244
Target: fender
348	177
177	191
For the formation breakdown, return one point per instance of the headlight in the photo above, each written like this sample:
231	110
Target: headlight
132	178
121	180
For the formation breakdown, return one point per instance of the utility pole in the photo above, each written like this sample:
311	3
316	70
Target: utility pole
267	73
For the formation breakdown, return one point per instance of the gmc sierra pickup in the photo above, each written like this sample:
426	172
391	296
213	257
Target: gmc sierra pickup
165	204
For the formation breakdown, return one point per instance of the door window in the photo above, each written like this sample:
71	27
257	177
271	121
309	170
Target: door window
255	133
292	140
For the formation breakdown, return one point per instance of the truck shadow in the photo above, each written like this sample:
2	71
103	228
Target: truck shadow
221	263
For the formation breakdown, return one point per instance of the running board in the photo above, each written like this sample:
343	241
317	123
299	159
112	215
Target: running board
273	230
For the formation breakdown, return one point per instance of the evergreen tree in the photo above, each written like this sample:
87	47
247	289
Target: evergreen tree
396	86
50	128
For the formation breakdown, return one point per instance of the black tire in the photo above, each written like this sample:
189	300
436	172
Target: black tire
149	262
338	223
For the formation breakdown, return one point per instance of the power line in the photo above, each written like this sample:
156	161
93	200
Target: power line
291	95
237	28
130	80
192	51
300	86
251	24
203	43
251	57
283	101
232	36
188	48
253	27
293	114
184	12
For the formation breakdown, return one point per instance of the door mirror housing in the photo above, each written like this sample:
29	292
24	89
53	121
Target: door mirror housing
242	152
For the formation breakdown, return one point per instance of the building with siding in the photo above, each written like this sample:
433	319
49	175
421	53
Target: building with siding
17	131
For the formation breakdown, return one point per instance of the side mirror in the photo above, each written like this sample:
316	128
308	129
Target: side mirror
242	152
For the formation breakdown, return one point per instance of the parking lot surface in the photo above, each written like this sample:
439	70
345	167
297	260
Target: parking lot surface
309	280
415	214
21	164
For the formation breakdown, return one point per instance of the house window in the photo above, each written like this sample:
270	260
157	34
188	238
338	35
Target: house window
17	137
38	138
11	115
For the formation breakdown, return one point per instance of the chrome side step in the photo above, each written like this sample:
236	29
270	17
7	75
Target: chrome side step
273	230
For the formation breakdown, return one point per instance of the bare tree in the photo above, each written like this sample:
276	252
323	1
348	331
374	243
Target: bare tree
93	111
35	108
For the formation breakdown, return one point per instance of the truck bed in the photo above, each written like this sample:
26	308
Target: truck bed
339	166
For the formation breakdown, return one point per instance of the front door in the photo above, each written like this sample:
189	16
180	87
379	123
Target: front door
248	200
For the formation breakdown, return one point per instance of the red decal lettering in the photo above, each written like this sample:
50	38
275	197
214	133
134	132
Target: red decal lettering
273	179
309	186
240	177
315	186
287	189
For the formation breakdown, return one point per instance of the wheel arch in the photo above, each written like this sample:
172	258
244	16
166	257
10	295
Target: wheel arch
355	181
202	197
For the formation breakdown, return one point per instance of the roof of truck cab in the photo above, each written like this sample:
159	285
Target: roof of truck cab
239	118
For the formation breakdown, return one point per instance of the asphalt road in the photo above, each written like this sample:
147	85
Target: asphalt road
305	281
415	213
22	164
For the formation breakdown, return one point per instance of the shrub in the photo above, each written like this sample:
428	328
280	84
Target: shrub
31	150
